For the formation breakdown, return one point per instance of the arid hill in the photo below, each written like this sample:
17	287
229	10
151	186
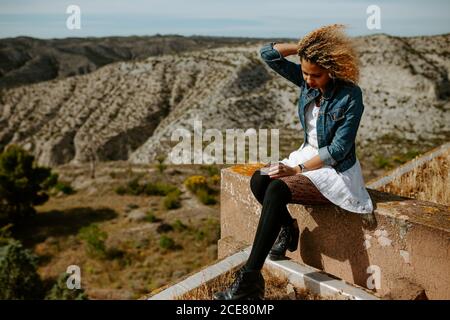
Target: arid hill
128	110
26	60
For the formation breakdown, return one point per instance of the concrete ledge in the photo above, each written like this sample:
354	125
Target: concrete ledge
201	277
298	275
318	282
404	241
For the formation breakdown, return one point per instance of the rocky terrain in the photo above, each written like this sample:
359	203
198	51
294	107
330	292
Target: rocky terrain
25	60
128	110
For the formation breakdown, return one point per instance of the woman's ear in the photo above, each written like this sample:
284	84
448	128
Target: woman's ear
330	75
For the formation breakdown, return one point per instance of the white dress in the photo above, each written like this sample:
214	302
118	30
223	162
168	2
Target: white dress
345	189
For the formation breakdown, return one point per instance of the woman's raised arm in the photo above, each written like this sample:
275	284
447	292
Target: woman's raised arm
276	61
286	49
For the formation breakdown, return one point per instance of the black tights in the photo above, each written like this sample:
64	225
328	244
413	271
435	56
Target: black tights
274	195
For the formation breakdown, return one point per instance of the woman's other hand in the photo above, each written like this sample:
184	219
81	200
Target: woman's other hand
281	170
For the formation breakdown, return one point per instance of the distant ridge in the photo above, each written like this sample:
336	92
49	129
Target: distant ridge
128	110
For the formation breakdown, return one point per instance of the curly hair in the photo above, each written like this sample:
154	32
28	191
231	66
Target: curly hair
330	48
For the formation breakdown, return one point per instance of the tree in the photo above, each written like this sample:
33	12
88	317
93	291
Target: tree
19	279
60	291
22	185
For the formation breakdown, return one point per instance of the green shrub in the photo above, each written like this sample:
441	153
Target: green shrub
215	180
411	154
159	189
95	243
65	188
5	234
200	235
22	184
195	183
408	156
133	187
151	217
179	226
172	200
114	253
95	240
205	197
121	190
60	291
19	279
160	166
382	163
211	170
50	182
166	242
164	227
199	186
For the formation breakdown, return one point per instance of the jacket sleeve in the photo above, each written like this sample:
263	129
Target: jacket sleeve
345	134
287	69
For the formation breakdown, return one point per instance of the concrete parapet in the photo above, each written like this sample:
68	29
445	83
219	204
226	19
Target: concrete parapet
401	251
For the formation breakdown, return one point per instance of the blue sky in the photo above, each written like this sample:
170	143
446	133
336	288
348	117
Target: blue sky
246	18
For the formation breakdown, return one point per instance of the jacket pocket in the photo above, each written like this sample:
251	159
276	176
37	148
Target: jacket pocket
337	114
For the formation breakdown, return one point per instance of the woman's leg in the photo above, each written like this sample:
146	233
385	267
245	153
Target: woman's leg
276	197
274	194
259	184
303	191
274	214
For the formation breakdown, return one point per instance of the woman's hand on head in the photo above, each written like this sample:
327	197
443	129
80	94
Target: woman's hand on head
281	170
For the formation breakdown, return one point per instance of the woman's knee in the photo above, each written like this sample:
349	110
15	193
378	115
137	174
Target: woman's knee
258	185
278	189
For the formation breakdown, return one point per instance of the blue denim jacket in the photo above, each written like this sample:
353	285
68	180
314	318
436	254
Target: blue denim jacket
339	114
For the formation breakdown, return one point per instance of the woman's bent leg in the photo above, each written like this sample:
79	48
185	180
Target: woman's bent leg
303	191
274	195
259	184
276	198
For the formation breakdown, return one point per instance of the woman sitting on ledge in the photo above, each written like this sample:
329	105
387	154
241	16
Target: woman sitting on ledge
325	169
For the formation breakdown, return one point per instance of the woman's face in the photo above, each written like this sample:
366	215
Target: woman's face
314	75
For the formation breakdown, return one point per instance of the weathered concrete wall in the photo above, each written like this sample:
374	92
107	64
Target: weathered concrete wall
407	243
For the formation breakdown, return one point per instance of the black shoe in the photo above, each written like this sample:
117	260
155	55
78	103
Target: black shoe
287	240
248	285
